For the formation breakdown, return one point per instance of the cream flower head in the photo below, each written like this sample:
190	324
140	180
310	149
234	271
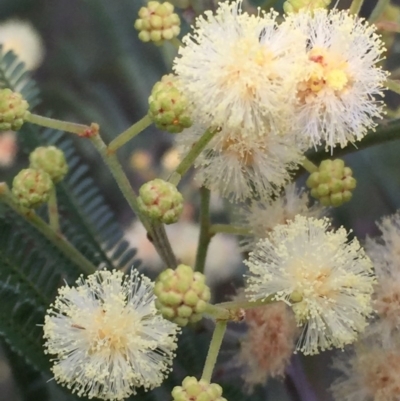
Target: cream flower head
337	93
371	373
23	39
107	336
327	280
240	70
260	218
239	166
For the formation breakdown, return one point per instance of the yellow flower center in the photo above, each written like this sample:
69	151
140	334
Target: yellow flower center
329	72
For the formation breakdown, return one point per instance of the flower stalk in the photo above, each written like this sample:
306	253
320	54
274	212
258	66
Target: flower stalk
129	134
213	351
52	206
189	159
378	10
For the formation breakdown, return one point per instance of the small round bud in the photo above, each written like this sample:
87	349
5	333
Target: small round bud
182	295
332	183
13	110
161	201
51	160
168	106
294	6
197	390
32	187
157	22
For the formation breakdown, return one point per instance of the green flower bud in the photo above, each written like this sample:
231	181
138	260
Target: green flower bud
294	6
51	160
160	201
197	390
168	106
332	183
13	110
157	22
182	295
32	187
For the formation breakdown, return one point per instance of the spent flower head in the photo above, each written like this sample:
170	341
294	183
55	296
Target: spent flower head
371	373
337	93
107	337
266	348
327	280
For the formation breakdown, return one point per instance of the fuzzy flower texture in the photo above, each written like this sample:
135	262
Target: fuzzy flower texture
327	280
274	90
107	337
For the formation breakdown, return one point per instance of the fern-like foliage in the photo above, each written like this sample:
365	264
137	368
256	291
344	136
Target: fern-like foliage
31	267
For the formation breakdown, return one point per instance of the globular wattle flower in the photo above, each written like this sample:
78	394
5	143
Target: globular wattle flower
238	166
107	337
327	280
239	71
337	94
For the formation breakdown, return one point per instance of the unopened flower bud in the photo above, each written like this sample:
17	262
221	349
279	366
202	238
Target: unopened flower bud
51	160
159	200
157	22
294	6
197	390
168	106
32	187
182	295
333	183
13	110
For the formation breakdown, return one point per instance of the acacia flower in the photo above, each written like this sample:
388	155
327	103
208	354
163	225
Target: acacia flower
238	166
107	337
240	70
337	93
268	344
327	280
261	217
385	255
371	373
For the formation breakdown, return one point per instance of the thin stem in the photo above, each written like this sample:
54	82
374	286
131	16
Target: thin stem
393	85
204	237
66	126
213	351
53	211
228	229
57	239
309	166
356	6
378	10
130	133
157	233
176	42
162	245
189	159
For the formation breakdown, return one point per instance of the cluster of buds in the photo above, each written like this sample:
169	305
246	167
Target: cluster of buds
160	201
197	390
13	110
32	186
333	183
157	22
294	6
182	295
168	106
